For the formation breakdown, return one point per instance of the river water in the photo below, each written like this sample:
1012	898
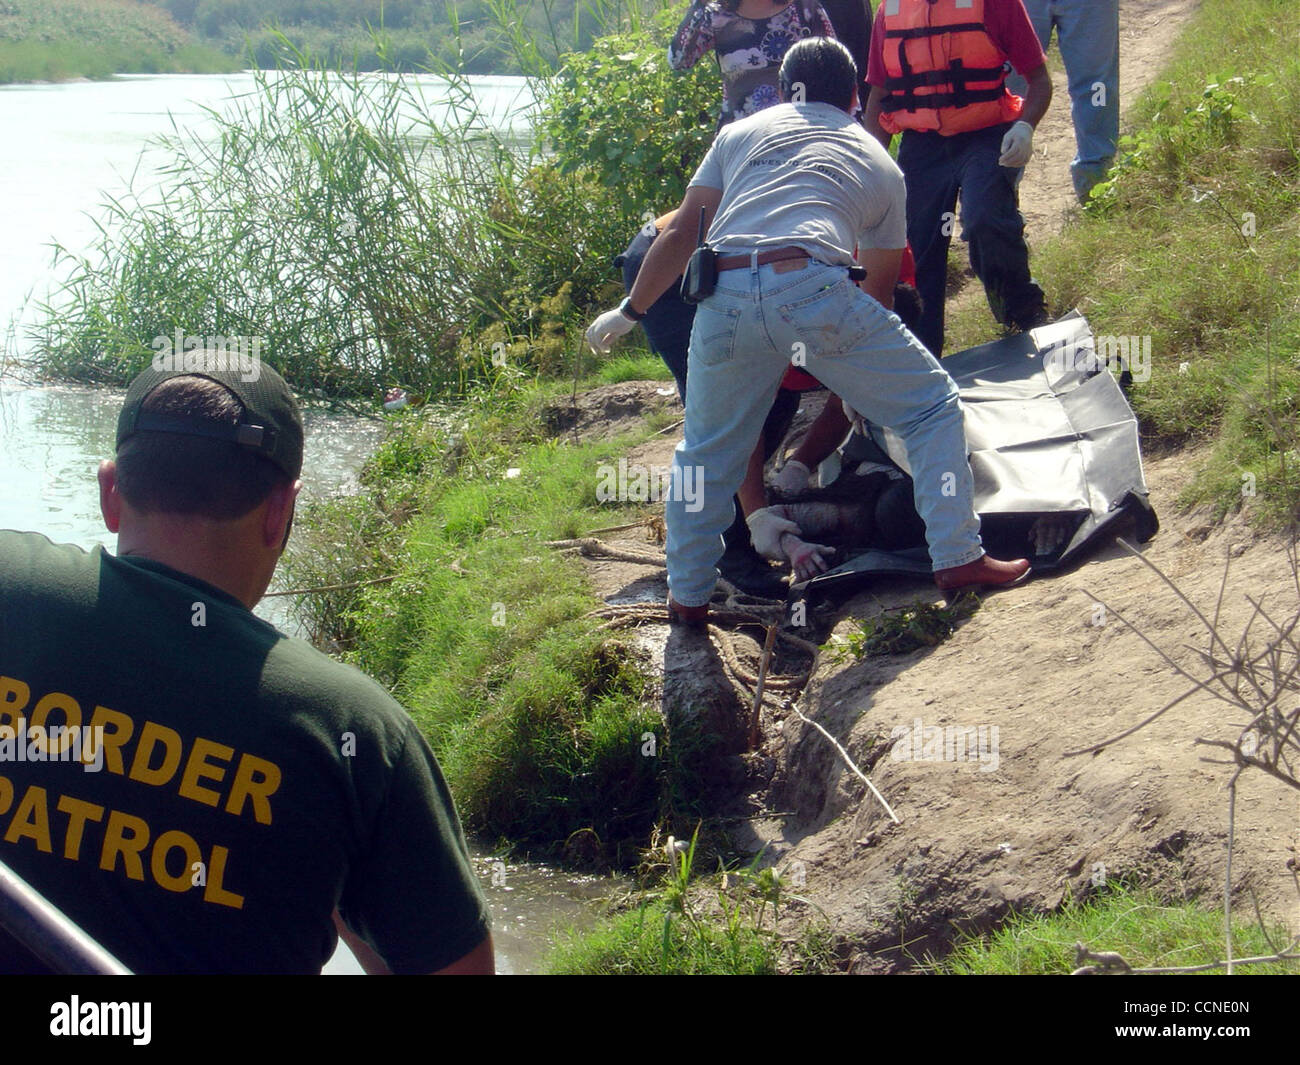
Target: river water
62	147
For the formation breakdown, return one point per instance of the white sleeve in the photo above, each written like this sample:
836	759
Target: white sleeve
709	172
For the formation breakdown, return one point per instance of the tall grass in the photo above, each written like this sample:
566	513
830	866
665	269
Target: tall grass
365	232
373	229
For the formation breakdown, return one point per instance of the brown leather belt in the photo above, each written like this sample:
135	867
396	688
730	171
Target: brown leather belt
775	255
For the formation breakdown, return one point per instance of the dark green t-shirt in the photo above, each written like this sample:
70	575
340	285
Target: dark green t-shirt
234	785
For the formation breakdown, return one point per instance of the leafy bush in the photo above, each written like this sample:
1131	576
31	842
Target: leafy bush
620	113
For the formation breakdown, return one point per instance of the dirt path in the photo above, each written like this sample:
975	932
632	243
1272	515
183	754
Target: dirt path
1148	29
1051	670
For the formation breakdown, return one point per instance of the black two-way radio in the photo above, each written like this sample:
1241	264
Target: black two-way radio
701	276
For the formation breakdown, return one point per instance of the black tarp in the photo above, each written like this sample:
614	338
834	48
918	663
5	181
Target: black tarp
1050	433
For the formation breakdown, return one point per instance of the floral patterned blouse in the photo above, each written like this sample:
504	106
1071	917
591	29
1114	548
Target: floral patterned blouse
749	50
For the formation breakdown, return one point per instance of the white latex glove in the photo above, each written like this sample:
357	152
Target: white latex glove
793	478
606	329
766	528
1017	145
805	558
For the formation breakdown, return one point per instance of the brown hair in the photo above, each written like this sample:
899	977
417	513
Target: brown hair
170	473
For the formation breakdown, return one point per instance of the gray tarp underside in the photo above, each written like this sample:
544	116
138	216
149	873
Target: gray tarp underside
1049	432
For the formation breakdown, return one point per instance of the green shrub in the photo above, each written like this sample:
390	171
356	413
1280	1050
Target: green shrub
621	114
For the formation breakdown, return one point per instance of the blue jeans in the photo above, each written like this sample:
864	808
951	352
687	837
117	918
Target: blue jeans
936	168
667	325
1087	33
744	335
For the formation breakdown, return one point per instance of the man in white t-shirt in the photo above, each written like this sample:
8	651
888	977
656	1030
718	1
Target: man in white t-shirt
791	191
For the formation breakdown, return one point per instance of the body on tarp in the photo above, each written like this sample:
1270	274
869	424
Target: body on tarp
1049	433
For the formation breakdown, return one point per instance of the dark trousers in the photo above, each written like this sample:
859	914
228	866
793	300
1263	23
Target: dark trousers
667	324
936	168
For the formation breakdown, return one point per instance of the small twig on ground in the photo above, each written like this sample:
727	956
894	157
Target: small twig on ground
618	528
758	689
1214	633
1227	873
849	762
333	587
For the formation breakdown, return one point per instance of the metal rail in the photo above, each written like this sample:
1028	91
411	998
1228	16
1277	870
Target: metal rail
48	934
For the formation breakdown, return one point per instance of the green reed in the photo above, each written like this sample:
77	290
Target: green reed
372	229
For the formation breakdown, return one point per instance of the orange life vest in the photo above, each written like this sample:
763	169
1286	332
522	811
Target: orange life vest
943	71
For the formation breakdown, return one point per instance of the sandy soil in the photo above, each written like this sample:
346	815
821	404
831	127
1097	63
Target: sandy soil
1052	671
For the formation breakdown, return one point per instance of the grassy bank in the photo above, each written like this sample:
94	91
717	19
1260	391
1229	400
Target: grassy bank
1193	244
53	40
1147	931
540	717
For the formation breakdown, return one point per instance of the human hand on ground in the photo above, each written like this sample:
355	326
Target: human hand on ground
806	559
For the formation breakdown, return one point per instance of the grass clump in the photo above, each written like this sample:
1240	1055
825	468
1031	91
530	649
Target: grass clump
900	630
1131	921
648	941
644	366
688	928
